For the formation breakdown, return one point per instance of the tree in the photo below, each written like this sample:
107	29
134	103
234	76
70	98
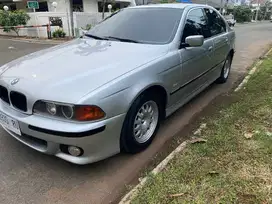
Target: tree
13	18
242	13
265	11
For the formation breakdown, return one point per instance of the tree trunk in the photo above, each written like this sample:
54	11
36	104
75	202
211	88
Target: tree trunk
16	30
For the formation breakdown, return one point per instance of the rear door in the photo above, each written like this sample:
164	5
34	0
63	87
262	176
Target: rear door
219	35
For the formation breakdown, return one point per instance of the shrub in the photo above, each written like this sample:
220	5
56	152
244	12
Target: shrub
59	33
13	18
242	14
88	27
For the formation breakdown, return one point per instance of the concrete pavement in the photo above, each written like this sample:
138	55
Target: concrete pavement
12	49
27	176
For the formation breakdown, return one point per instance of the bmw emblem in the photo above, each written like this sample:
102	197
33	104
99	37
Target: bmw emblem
14	81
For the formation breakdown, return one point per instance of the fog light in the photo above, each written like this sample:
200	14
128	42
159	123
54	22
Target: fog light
75	151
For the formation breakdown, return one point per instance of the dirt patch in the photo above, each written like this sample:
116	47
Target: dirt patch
246	198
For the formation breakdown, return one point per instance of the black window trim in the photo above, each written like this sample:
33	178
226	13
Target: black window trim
221	19
202	8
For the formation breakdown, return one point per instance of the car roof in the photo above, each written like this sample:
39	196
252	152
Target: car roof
171	5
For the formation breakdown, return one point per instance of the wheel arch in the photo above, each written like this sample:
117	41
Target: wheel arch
157	88
231	53
153	88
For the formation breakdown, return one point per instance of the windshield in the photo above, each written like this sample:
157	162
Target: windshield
143	25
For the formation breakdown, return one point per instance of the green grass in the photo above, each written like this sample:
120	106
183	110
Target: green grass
228	168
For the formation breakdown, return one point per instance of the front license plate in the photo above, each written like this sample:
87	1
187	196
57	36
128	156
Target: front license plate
10	123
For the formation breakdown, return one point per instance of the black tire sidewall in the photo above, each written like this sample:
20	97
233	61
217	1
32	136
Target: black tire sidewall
222	78
127	141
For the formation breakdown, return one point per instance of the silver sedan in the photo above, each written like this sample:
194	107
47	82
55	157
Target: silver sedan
109	90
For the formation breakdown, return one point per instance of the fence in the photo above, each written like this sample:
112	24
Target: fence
81	19
46	27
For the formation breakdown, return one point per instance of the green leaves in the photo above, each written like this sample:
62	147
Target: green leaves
242	14
59	33
13	18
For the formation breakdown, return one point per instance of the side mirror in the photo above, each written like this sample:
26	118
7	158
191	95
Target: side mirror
194	40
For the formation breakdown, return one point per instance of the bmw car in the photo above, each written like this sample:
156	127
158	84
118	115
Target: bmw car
108	91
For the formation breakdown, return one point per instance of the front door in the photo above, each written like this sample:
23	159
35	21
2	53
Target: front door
196	62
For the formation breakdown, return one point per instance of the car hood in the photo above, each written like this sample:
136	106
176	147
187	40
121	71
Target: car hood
71	70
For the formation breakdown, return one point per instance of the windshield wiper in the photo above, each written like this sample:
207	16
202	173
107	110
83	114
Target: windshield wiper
95	37
121	39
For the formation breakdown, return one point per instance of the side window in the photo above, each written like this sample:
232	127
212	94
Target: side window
196	24
215	23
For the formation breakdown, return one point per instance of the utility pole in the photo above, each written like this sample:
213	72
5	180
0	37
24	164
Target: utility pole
71	17
103	9
257	10
221	6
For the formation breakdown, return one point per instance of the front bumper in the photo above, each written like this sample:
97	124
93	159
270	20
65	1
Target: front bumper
98	140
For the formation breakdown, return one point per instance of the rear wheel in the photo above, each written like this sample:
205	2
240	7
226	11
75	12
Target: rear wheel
141	123
225	70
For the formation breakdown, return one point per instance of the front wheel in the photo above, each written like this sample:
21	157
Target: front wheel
141	123
224	75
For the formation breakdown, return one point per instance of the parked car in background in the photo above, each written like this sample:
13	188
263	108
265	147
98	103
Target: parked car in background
108	91
230	20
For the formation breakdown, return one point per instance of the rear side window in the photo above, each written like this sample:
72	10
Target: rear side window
196	24
215	23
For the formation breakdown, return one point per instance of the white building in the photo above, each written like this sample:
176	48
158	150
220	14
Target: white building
84	12
89	6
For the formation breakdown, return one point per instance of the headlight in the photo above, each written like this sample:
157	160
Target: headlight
51	108
69	111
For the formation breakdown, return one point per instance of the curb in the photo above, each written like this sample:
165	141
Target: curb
161	166
130	195
47	42
251	72
36	41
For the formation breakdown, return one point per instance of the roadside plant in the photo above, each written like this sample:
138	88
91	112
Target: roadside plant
242	14
87	27
13	18
59	33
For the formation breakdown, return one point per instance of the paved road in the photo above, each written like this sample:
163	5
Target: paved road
10	50
27	176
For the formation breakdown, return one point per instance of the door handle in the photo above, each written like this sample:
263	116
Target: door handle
226	40
210	48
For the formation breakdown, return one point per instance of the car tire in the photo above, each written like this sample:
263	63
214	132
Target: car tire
224	75
141	123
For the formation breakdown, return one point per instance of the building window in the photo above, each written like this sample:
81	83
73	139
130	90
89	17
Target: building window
43	6
12	7
77	5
